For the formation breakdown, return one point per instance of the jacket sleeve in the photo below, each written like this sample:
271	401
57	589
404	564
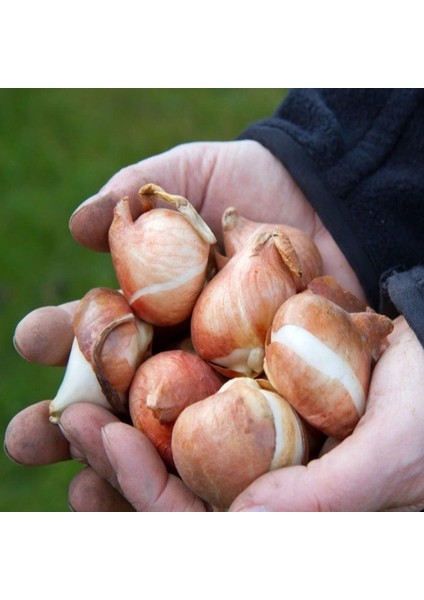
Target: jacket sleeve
405	291
358	156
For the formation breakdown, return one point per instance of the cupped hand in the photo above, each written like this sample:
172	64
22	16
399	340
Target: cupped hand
213	176
381	465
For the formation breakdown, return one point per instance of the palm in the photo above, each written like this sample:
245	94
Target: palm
245	175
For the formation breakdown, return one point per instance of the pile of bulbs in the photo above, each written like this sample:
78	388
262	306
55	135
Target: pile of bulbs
270	350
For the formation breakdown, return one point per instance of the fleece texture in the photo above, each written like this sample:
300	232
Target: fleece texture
358	156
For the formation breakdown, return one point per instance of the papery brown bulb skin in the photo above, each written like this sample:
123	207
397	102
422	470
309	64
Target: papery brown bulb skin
320	361
112	341
235	310
163	386
328	287
223	443
374	328
160	261
238	230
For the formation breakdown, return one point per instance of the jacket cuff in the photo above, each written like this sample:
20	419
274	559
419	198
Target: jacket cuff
405	290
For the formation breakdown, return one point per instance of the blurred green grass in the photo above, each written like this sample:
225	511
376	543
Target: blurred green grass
58	147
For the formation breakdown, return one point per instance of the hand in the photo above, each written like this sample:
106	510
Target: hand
381	465
212	176
123	472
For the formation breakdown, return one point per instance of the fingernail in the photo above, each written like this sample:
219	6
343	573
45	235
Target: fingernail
74	450
106	443
113	478
82	206
64	432
105	438
90	221
94	198
105	431
9	456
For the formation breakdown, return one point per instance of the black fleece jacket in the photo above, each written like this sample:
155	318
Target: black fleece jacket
358	156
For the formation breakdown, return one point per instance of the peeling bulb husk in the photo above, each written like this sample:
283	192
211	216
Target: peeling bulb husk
184	207
113	340
238	230
108	347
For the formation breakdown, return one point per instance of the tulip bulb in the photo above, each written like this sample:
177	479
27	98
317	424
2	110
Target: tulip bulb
238	230
223	443
109	344
236	308
162	387
319	357
161	260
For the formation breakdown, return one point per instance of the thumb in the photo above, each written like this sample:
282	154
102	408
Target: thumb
340	481
173	170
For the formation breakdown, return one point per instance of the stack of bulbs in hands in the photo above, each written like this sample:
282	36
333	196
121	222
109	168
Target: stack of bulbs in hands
271	351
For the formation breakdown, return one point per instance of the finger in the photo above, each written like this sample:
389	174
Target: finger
142	475
88	492
31	439
81	424
173	170
44	336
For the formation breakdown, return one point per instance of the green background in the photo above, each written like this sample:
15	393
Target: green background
58	147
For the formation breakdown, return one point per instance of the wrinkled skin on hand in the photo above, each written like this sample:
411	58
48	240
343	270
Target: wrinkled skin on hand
379	467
